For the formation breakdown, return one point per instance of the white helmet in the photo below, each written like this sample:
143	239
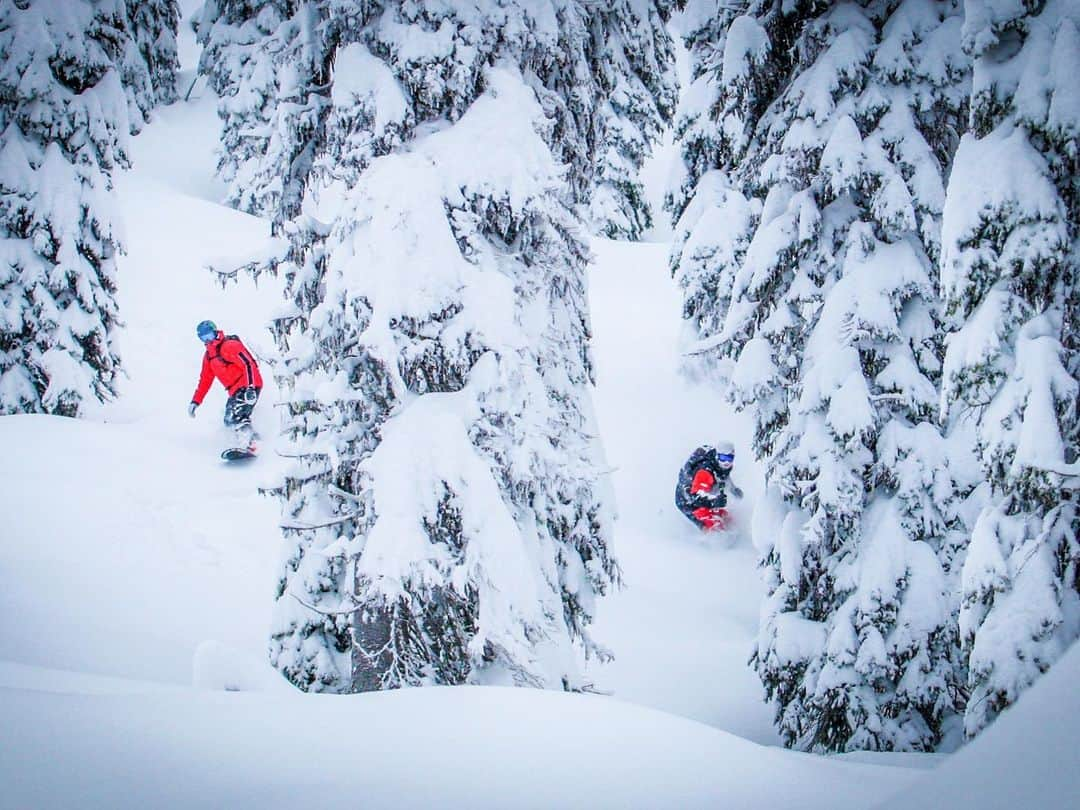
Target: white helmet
725	454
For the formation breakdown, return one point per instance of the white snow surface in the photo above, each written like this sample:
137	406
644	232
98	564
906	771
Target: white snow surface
136	584
1028	758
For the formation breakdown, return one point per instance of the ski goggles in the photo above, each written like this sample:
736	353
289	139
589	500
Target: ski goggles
728	457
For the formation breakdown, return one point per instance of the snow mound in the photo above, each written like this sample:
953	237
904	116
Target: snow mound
444	747
1027	758
224	668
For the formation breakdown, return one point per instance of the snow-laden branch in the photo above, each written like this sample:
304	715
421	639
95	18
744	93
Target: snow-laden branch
297	526
1070	472
356	606
703	346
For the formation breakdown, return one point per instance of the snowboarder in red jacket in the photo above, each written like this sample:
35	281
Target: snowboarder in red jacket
700	492
229	360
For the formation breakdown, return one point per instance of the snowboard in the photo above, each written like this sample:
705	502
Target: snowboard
238	454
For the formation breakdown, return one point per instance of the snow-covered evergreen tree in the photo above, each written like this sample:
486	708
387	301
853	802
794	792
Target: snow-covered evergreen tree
817	138
1010	280
731	85
636	58
146	53
153	26
63	128
446	517
272	62
737	62
70	75
268	62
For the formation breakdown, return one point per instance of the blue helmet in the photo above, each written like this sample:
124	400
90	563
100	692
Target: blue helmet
207	331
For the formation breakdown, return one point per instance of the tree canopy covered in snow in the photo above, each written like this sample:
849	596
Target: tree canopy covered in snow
604	73
817	143
447	518
1011	282
637	80
153	26
270	68
893	313
73	83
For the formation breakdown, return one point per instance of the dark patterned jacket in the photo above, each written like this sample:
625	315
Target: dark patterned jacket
704	458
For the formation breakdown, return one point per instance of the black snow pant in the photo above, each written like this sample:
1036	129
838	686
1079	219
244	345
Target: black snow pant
239	406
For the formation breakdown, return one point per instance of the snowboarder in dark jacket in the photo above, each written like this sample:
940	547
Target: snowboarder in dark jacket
228	360
701	492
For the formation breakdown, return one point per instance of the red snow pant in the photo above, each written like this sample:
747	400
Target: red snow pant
712	519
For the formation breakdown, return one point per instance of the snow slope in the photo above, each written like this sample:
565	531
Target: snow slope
444	747
137	571
126	530
682	627
1029	757
124	545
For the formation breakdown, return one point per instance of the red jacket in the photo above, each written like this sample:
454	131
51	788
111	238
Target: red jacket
229	360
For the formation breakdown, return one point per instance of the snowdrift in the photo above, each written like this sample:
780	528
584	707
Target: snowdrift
1029	757
451	747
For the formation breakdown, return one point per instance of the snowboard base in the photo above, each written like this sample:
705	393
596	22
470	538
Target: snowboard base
237	454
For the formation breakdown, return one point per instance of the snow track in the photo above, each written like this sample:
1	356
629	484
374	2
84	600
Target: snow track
681	630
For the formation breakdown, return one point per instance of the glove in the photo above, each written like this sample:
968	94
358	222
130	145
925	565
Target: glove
191	409
712	500
738	493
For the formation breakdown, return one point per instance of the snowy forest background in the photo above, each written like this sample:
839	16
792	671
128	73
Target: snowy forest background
873	211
